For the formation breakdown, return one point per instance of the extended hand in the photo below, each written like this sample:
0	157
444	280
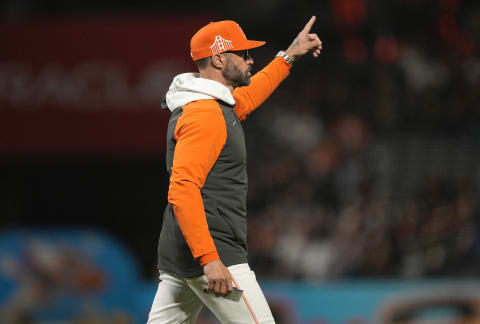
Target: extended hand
305	42
219	278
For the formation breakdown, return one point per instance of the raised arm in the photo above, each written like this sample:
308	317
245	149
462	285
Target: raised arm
263	83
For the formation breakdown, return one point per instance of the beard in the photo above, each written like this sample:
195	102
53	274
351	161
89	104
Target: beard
235	77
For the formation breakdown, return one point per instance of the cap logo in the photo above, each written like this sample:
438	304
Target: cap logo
220	44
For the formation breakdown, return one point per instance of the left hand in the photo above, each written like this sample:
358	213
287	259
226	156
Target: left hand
305	42
218	277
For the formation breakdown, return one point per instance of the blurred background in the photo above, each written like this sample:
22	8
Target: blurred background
364	165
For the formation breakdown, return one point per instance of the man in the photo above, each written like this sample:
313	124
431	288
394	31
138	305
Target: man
202	252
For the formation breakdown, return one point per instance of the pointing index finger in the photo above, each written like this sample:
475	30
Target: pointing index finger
309	24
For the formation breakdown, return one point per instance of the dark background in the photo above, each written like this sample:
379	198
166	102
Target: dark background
369	152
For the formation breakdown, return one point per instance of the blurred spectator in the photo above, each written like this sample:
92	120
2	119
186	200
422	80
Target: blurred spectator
367	164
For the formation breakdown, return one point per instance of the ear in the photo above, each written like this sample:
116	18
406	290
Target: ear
219	61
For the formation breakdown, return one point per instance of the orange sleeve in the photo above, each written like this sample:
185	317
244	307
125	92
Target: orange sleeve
201	134
262	85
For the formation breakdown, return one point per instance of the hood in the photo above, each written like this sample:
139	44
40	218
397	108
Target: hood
188	87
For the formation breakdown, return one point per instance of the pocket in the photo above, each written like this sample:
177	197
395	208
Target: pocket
219	222
229	224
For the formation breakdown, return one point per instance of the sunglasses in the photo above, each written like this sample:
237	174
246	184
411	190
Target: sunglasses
243	54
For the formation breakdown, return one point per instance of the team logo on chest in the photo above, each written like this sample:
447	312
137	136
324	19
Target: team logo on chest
220	44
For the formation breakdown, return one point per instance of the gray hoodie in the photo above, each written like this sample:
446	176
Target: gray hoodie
224	192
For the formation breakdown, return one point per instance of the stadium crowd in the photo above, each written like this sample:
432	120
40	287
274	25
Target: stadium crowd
364	162
328	158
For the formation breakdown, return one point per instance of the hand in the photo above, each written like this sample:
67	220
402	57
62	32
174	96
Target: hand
218	277
305	42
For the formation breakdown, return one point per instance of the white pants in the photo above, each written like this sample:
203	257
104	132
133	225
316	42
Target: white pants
179	300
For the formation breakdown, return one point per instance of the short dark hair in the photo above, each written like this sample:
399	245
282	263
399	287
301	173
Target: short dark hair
202	63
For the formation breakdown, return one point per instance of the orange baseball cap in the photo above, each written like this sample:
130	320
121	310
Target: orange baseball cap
218	37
